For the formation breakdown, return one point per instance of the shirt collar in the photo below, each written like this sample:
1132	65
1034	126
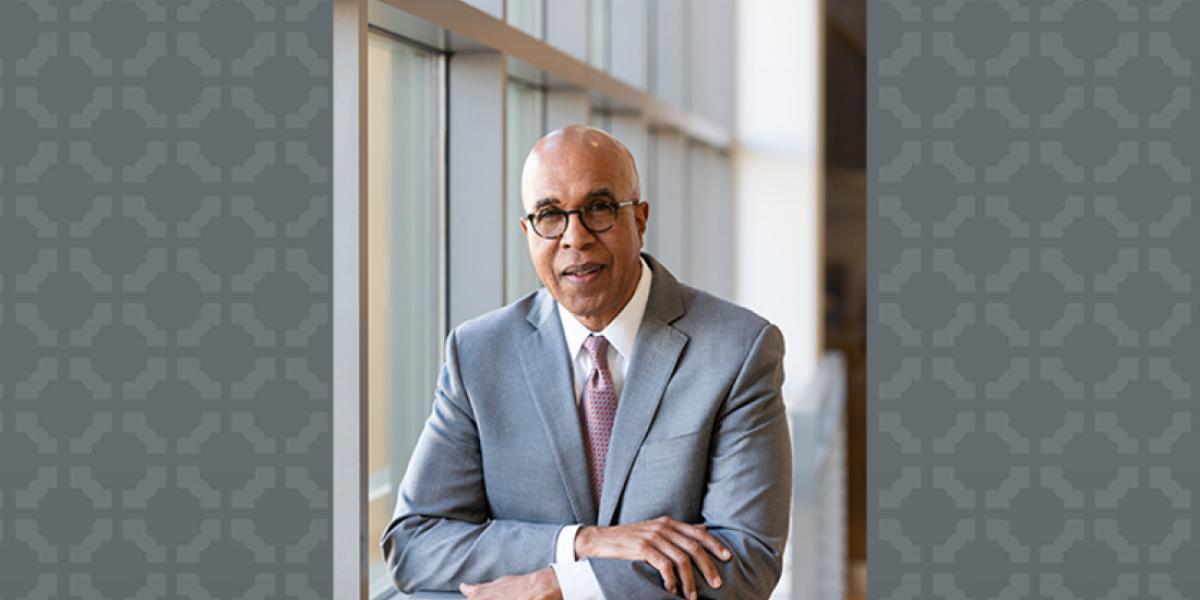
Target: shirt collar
622	331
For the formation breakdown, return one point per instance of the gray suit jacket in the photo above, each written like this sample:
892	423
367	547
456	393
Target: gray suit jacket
700	435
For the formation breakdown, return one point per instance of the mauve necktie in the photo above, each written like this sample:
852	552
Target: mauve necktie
599	408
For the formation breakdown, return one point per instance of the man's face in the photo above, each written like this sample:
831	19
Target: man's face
592	275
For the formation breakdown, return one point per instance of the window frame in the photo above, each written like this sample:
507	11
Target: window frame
375	488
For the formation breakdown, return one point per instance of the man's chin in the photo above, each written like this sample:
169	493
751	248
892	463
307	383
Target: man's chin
581	308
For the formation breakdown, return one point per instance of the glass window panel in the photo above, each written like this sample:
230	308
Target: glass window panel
379	514
525	123
668	65
598	38
404	242
649	175
710	217
627	40
669	234
567	24
600	119
525	15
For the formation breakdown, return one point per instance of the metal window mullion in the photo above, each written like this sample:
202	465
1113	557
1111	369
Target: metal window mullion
349	430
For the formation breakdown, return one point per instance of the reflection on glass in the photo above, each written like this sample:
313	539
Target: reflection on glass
525	124
404	239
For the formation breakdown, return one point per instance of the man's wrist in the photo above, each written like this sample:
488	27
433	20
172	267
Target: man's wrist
577	581
548	580
583	537
564	546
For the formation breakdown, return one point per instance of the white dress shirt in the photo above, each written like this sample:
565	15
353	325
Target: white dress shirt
575	577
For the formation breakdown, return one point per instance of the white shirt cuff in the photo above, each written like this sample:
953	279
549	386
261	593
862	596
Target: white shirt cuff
577	581
565	546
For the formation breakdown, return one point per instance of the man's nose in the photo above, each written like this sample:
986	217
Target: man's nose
576	235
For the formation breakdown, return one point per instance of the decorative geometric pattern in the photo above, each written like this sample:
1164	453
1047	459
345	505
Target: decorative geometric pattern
599	410
1033	337
165	262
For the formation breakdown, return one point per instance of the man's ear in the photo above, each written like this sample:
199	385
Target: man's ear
524	227
641	215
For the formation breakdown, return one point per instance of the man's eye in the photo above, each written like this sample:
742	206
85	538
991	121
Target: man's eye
548	214
599	207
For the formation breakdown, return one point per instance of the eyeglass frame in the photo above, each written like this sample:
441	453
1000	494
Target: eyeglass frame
617	206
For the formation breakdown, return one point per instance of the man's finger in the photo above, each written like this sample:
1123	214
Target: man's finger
683	564
699	556
700	533
665	568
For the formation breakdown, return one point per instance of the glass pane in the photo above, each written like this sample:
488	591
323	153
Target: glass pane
668	65
599	38
404	316
525	124
649	174
379	514
600	119
669	205
710	217
525	15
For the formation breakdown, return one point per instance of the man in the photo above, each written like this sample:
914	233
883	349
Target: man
614	435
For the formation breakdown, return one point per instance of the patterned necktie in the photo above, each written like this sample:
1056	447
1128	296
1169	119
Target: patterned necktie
599	408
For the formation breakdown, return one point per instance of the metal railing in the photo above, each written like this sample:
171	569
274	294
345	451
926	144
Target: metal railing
815	560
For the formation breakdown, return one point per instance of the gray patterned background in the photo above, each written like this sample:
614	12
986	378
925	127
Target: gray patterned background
1033	345
165	261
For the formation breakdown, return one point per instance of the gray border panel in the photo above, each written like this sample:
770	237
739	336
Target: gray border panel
165	299
1032	334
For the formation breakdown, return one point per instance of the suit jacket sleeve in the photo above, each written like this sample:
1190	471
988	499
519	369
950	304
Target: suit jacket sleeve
747	501
442	533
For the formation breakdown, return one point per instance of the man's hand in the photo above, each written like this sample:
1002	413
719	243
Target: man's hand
668	545
538	585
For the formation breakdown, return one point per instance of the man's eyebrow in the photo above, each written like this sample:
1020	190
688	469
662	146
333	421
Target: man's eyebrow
544	202
600	193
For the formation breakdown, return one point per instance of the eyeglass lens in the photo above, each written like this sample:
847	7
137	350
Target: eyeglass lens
597	218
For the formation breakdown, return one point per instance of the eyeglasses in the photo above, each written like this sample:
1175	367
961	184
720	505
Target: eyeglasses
597	217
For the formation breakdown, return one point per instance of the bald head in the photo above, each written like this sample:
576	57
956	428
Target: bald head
591	271
576	149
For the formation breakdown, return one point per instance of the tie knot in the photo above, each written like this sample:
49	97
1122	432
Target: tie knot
597	348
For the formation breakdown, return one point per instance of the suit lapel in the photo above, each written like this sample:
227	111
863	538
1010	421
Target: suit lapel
655	353
545	363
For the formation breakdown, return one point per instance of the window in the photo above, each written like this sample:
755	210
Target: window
525	15
667	235
405	313
525	121
598	36
709	214
600	119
